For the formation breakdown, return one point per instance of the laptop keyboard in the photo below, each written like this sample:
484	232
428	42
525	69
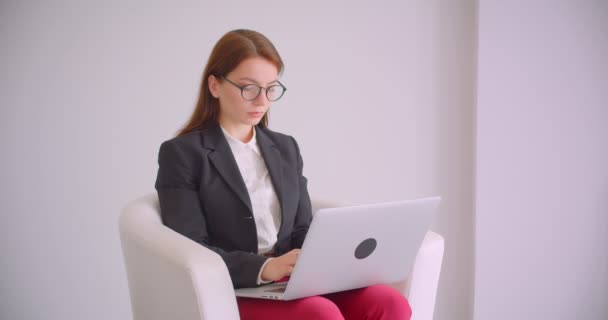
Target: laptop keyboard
276	290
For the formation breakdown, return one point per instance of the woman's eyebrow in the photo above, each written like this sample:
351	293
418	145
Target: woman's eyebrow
256	82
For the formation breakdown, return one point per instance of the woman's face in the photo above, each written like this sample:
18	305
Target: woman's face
234	109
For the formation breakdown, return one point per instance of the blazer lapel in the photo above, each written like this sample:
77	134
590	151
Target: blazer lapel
273	159
224	162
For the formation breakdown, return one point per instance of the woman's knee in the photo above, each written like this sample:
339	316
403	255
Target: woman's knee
316	308
387	303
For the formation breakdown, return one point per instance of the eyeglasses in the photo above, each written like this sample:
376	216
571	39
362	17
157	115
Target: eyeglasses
251	91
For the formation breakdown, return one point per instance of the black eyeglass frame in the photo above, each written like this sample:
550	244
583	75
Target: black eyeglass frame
242	88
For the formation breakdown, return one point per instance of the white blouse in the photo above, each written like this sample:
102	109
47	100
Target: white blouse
264	201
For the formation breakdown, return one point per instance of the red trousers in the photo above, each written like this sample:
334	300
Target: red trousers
375	302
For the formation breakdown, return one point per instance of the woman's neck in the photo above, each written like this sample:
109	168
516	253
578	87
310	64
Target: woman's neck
242	132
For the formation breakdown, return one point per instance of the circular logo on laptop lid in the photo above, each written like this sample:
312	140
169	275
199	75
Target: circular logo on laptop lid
365	248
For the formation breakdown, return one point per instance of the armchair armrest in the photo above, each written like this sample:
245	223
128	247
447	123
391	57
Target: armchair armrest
170	276
420	288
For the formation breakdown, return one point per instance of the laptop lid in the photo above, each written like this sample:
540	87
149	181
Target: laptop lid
358	246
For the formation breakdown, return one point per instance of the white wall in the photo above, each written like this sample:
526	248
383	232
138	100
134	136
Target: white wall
380	99
542	155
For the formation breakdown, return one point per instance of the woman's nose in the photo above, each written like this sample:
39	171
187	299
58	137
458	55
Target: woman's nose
261	99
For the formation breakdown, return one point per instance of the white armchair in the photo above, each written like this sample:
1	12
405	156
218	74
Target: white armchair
172	277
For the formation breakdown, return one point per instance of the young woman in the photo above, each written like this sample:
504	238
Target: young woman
236	187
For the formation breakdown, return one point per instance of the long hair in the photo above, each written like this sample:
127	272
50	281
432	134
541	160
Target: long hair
234	47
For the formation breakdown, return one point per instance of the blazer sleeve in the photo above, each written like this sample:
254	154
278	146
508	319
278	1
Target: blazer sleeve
304	212
177	185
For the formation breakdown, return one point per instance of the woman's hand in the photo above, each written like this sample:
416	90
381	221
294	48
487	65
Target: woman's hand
280	267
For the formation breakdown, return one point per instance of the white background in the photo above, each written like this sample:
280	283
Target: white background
542	160
381	100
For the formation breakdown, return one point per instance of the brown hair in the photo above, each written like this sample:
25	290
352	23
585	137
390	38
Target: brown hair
234	47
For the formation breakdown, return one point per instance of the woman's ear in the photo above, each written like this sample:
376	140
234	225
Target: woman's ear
213	86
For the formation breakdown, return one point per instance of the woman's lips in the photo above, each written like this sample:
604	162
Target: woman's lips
255	114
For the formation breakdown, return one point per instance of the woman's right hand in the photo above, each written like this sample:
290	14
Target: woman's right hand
280	267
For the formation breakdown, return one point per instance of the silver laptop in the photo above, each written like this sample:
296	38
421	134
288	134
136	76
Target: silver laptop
354	247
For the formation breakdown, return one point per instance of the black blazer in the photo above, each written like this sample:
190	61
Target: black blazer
203	196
